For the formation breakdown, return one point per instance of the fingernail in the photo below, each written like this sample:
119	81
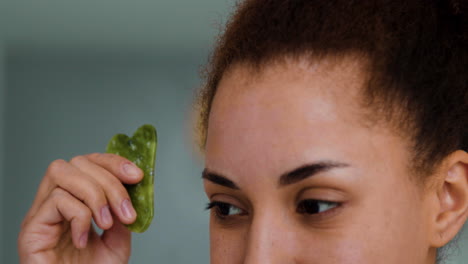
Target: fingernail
83	239
127	209
106	215
131	170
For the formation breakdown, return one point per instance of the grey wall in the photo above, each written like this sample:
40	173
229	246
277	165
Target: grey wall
2	148
118	25
457	252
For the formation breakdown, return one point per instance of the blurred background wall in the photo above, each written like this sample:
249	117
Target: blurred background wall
2	146
73	73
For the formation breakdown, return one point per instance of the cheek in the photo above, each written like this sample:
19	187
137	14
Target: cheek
384	226
226	245
373	240
389	226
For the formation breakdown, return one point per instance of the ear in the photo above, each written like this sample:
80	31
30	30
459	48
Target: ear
451	207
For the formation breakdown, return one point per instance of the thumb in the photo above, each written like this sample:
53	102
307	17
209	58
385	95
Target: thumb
118	240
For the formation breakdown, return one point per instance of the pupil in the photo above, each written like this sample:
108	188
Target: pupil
224	209
310	207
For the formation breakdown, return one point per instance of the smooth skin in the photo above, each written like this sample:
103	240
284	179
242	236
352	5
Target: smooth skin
265	124
352	200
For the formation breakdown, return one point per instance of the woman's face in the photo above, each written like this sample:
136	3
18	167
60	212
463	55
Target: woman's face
295	176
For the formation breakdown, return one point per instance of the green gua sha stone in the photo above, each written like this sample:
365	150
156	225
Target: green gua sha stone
141	150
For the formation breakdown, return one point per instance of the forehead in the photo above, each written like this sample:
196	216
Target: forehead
285	113
330	77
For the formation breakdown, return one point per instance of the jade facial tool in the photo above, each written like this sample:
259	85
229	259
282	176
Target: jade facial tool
141	150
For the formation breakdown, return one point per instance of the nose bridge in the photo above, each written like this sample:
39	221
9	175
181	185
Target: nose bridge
268	241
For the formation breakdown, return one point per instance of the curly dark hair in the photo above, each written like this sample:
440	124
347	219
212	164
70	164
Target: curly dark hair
416	52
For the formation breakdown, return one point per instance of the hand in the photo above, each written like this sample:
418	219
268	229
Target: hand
57	228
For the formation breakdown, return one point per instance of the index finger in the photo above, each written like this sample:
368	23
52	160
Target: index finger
125	170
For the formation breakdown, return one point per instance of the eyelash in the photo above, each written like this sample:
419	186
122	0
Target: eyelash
218	207
221	207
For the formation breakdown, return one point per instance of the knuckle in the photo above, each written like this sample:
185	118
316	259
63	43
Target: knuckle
58	196
57	193
78	160
84	213
94	196
94	156
117	189
55	167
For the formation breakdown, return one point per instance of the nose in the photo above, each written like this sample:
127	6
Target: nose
269	241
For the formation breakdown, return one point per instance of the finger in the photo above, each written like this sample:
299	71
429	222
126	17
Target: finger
59	207
118	239
86	189
125	170
45	188
116	194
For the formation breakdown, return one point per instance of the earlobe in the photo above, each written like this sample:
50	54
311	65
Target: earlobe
452	198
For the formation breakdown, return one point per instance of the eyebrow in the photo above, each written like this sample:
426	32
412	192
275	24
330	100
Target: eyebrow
308	170
301	173
218	179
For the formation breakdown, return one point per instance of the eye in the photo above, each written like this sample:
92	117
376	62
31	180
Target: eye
224	209
310	206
